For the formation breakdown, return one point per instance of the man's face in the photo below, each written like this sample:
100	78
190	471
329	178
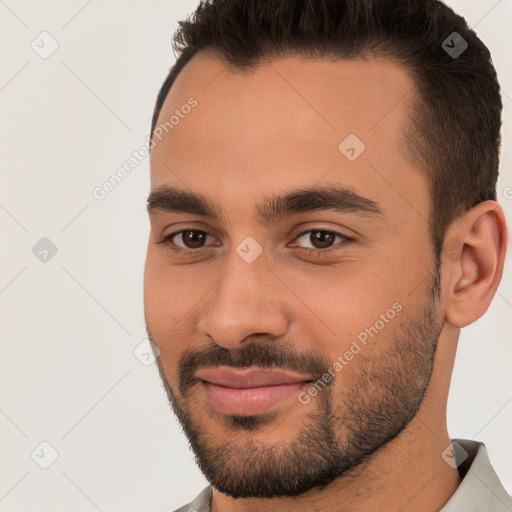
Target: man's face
340	300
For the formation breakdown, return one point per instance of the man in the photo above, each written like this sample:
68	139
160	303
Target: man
323	223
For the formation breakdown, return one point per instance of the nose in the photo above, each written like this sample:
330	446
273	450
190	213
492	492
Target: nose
244	303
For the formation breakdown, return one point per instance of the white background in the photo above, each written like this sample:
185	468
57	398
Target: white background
69	326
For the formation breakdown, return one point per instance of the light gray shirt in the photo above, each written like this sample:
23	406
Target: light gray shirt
479	491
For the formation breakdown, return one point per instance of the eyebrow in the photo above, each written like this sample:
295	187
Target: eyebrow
338	198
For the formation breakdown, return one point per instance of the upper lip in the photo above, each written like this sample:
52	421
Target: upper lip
242	378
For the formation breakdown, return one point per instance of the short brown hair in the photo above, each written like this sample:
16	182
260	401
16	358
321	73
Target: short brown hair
455	131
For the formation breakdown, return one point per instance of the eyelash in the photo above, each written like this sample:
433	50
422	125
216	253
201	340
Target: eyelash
167	242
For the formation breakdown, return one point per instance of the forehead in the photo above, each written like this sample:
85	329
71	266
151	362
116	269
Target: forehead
283	125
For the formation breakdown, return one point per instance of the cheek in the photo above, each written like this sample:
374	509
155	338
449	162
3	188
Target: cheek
341	296
171	302
156	293
165	291
163	306
347	304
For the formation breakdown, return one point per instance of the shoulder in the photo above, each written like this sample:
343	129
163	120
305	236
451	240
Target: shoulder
480	488
201	503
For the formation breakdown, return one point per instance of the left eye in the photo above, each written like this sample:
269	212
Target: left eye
321	239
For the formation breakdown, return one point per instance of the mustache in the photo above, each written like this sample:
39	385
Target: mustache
265	356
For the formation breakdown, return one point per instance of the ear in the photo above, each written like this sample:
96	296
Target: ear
473	257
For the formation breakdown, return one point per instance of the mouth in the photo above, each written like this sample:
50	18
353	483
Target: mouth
249	391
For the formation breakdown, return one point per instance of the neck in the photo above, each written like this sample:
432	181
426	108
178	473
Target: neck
408	474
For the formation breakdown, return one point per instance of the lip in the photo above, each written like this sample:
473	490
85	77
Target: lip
249	391
242	378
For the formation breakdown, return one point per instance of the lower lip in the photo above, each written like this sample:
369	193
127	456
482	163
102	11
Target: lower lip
249	401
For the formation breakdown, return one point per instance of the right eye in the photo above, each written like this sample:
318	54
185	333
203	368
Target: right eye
191	241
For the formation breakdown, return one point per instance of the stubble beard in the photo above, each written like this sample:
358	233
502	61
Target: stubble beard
342	428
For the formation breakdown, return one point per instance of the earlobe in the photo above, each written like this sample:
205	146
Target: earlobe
474	262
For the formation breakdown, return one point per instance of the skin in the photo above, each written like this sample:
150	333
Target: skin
267	132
